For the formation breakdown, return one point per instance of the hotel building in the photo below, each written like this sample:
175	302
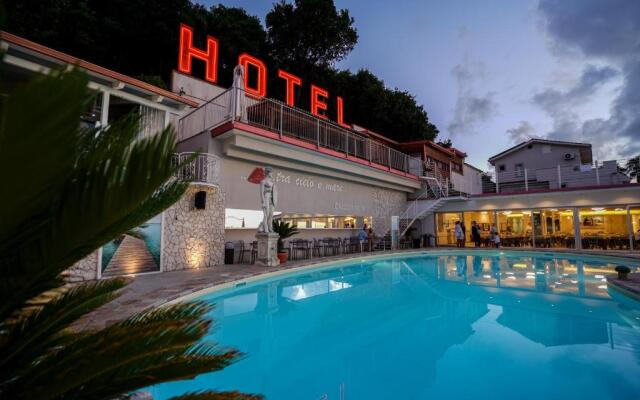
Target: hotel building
331	179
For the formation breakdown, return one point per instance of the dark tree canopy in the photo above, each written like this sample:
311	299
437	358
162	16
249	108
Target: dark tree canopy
305	38
310	32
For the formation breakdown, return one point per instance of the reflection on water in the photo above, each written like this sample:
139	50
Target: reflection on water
456	326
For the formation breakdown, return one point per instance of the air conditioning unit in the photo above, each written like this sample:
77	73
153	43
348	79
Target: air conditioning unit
569	156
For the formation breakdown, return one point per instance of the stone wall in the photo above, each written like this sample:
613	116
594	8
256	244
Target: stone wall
84	270
194	238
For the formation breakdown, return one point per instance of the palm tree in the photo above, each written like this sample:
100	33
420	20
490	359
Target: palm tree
285	230
66	192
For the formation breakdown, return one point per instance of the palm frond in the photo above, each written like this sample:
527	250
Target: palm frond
104	198
153	347
27	336
85	187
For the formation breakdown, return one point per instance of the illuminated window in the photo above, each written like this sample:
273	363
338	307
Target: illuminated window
604	228
445	223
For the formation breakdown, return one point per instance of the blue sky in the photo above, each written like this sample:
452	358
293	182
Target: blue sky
492	73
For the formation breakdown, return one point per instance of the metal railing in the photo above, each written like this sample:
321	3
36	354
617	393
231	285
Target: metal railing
563	176
204	168
287	121
206	117
435	194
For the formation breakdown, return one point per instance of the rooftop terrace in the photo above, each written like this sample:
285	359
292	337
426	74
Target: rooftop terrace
294	126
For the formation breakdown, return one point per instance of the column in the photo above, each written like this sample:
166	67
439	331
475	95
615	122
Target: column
576	227
104	110
630	227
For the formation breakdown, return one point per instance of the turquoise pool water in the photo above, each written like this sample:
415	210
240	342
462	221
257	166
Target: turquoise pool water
462	325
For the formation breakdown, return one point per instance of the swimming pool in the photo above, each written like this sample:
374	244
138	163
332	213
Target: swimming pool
446	325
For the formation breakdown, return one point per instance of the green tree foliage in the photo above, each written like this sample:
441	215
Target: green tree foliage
632	167
68	191
312	33
305	38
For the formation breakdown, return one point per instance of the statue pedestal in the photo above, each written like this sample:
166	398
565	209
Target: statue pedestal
267	249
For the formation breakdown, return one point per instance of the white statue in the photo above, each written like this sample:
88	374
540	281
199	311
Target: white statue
238	107
269	198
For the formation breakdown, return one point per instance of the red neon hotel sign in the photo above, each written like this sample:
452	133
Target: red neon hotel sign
187	52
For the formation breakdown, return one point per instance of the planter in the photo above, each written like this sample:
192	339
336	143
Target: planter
283	257
623	272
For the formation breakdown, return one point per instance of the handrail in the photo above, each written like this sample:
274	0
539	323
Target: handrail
411	213
203	168
569	174
233	104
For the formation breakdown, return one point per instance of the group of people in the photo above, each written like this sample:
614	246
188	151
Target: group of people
365	237
460	233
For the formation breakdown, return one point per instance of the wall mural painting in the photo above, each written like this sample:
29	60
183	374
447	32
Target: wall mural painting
135	251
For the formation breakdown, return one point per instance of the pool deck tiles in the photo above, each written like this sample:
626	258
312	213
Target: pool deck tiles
629	287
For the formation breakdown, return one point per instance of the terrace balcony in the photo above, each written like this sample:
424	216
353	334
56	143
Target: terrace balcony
199	168
599	174
269	118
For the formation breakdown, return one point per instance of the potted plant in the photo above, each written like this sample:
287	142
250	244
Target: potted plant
284	230
623	272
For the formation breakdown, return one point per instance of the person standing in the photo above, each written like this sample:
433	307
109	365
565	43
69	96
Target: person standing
457	233
492	234
475	233
363	235
496	240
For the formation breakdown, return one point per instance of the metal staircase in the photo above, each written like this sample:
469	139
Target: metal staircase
437	191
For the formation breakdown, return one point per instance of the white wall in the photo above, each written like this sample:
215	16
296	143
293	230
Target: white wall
194	89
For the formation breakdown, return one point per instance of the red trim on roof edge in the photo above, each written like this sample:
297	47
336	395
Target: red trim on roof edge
227	126
66	58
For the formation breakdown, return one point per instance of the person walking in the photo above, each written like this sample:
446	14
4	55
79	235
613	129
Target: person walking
475	233
457	233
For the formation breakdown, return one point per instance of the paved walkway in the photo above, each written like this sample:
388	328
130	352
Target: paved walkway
151	290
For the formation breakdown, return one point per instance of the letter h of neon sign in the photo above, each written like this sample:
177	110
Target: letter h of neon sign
187	52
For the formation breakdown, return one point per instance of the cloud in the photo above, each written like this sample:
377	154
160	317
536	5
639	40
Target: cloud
607	32
592	78
521	133
471	108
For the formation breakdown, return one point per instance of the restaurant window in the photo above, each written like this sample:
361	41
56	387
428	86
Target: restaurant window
515	228
484	220
604	228
553	228
327	222
445	223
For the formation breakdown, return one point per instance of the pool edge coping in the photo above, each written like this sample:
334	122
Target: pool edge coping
195	293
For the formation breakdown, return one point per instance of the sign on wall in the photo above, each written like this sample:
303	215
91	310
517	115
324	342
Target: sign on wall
187	52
